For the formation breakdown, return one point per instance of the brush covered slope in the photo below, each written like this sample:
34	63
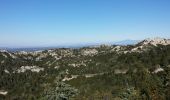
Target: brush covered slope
132	72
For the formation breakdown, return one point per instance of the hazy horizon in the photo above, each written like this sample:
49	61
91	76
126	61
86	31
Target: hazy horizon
121	42
41	23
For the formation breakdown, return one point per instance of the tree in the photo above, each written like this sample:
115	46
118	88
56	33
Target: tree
60	91
130	94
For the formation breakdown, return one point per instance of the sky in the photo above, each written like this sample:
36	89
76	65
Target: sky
26	23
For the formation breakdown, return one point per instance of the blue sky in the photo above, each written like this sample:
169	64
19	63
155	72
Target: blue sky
25	23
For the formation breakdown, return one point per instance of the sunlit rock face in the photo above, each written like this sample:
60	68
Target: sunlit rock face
89	52
31	68
156	41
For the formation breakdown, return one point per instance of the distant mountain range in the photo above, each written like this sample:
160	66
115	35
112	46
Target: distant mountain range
123	42
29	49
127	42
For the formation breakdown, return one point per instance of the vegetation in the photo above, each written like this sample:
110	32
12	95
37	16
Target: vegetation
104	76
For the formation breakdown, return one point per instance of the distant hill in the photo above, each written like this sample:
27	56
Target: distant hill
32	49
127	42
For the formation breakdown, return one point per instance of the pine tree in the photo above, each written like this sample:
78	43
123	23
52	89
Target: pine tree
61	91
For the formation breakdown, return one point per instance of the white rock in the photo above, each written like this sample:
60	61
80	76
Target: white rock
159	69
120	71
2	92
31	68
49	51
12	55
73	65
72	77
89	52
3	51
4	55
56	67
156	41
117	48
6	71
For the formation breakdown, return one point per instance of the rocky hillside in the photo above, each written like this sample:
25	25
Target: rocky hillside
155	41
139	71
